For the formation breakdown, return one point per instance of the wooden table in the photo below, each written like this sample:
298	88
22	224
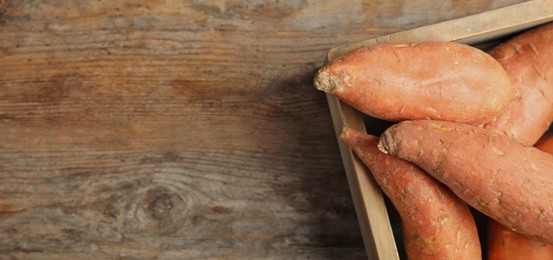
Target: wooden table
180	129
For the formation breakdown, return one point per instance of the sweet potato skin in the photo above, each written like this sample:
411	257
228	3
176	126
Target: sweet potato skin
426	80
436	223
495	174
509	245
528	60
505	244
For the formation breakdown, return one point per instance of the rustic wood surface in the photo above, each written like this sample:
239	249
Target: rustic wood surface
180	129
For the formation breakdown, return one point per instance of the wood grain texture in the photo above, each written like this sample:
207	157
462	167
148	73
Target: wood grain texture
143	129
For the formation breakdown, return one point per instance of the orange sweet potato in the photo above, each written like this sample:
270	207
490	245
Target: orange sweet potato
528	60
436	224
508	245
495	174
426	80
505	244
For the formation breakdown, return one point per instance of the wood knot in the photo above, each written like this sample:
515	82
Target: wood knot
166	212
162	207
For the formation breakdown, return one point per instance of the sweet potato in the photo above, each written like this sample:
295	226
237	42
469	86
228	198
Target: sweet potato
426	80
505	244
436	224
495	174
528	60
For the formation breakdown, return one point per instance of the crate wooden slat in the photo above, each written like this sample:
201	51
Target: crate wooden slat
476	30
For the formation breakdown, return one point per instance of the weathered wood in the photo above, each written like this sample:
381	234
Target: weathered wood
180	128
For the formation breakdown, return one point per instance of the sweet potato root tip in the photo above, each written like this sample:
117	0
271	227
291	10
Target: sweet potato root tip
326	82
385	144
343	133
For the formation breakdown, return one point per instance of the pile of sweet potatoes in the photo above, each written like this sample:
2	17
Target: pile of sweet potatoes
466	123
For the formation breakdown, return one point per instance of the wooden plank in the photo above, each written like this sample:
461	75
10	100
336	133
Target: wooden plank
367	196
471	29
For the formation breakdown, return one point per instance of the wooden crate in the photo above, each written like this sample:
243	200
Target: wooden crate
482	30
